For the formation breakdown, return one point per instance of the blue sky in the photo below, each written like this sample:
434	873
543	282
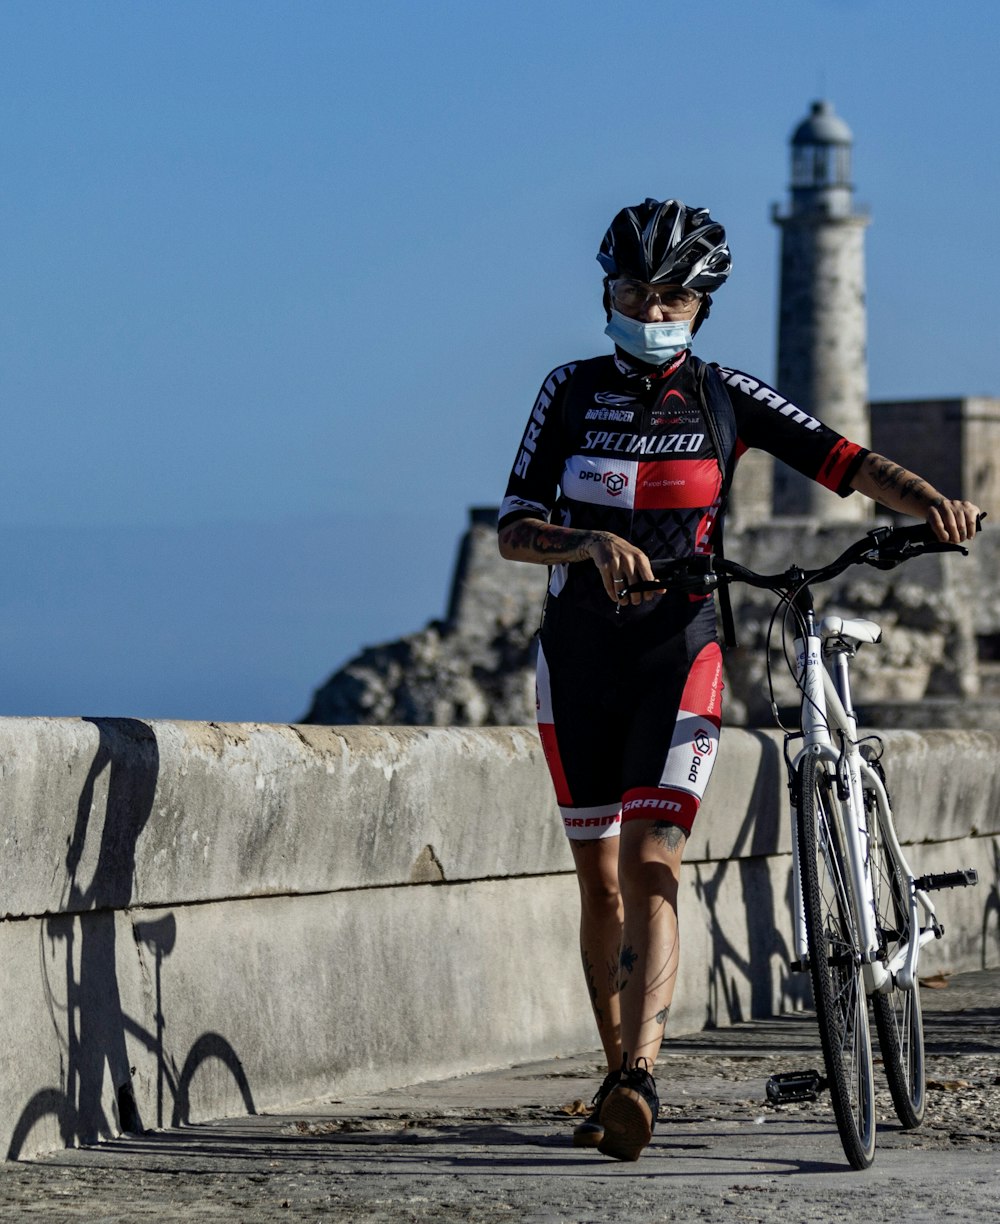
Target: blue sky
280	280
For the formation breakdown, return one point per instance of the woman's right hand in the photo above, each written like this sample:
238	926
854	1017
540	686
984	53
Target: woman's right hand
542	543
620	564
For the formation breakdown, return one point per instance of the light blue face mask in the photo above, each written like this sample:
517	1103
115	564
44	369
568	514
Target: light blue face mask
654	343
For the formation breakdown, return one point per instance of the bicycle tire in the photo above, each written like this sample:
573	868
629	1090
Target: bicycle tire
835	964
898	1016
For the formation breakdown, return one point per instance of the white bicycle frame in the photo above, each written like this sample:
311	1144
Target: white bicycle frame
830	732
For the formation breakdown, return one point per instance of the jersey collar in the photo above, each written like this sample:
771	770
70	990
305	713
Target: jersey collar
649	373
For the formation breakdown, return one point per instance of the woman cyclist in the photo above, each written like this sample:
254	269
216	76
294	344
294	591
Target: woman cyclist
625	462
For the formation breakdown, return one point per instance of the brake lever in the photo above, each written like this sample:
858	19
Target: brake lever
641	587
907	550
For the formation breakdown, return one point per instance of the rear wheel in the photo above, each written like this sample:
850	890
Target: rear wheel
835	963
898	1019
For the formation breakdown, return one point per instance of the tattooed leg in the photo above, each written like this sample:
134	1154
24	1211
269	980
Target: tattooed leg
649	869
600	937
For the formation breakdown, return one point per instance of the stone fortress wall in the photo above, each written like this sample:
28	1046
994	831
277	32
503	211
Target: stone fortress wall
938	663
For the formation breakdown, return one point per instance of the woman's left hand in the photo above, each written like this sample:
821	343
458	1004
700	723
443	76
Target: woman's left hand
953	521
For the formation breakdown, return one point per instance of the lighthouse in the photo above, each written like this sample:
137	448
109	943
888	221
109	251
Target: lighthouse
822	361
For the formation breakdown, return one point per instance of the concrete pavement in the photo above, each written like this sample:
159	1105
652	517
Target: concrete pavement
497	1146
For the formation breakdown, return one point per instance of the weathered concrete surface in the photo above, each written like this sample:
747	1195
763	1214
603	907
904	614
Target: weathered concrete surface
103	813
207	920
496	1147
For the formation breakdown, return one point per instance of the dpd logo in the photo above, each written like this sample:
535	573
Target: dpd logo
614	482
702	745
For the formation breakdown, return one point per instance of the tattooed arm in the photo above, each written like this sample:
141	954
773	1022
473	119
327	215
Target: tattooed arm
535	540
531	539
897	489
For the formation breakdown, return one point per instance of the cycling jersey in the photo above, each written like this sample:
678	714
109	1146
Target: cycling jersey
629	721
608	448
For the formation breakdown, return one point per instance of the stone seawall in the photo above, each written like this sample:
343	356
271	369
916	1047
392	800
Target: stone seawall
201	920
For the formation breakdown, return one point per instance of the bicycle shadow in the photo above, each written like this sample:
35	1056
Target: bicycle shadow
770	989
989	954
86	1008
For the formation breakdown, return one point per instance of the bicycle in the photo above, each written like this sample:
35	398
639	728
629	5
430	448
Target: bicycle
76	1110
860	915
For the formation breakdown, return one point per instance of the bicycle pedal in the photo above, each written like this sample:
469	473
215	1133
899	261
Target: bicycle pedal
789	1086
947	879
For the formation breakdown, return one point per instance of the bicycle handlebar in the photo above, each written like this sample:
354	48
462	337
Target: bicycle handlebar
883	548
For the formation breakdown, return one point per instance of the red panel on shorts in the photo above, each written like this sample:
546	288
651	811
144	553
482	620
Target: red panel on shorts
550	746
703	691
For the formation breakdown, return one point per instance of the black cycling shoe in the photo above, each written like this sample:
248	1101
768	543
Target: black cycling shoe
591	1132
628	1114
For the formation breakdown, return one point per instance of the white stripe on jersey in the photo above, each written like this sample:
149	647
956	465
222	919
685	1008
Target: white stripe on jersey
600	482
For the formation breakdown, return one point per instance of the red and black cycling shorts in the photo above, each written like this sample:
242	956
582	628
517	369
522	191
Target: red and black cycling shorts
629	716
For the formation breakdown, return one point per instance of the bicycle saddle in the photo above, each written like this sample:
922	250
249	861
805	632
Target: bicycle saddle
853	630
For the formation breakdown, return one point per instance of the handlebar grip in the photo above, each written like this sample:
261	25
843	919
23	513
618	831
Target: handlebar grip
896	544
922	533
684	575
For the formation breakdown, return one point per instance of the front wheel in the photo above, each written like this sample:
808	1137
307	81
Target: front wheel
835	962
898	1019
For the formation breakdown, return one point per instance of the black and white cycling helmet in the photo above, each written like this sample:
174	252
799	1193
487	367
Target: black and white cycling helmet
665	242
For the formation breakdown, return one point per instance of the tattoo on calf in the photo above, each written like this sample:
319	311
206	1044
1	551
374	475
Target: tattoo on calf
588	972
627	963
662	1014
671	835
